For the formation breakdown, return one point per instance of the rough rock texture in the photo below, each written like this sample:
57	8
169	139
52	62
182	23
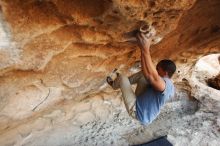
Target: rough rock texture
55	55
214	82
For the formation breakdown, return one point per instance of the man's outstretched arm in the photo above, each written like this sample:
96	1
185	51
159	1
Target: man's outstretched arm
147	65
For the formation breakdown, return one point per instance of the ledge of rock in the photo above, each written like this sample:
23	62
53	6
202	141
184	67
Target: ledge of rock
56	54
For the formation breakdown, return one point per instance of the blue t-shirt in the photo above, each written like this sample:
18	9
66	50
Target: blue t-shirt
149	103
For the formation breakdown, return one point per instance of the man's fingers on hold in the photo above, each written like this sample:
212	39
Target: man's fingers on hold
138	35
141	36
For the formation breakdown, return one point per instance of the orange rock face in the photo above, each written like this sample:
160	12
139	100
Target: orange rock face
54	51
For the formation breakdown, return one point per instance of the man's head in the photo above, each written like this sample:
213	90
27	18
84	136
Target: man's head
166	68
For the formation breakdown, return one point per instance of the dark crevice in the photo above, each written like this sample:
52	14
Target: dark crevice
214	82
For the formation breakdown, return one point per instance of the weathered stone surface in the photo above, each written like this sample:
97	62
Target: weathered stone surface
56	54
215	82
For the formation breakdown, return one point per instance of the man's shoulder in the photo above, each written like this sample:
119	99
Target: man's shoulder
169	86
168	81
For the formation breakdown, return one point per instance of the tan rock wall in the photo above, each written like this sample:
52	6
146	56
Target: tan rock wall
59	52
197	34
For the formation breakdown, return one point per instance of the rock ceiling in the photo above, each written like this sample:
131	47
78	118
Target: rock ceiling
59	50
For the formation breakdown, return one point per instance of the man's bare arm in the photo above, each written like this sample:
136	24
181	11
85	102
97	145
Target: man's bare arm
148	67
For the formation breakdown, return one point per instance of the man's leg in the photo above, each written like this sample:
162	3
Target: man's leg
142	85
133	79
128	95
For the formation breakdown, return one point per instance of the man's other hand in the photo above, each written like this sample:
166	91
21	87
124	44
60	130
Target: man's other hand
143	41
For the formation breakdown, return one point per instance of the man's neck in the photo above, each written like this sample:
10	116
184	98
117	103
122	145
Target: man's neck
165	76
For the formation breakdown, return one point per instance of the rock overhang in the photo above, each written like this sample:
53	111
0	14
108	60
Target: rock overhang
68	47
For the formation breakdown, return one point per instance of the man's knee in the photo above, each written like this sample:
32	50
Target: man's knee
143	80
123	78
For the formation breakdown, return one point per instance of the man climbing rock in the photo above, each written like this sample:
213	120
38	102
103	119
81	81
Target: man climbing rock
154	85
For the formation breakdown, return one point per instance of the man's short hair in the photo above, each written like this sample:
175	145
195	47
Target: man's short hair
168	66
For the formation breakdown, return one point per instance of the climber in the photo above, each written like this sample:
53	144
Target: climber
154	85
